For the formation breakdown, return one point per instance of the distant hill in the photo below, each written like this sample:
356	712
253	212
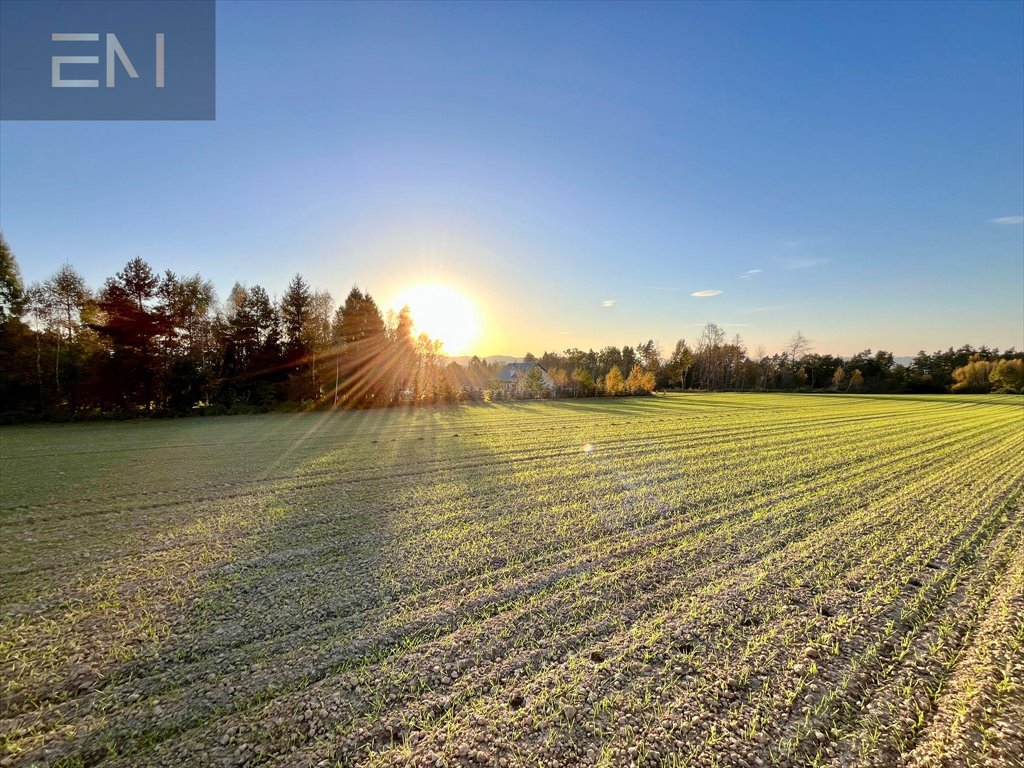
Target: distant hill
463	359
906	361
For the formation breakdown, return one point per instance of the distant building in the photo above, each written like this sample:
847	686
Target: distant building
513	377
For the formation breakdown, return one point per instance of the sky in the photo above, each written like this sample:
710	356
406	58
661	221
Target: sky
586	174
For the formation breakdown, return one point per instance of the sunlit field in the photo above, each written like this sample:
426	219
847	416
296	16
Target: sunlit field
690	579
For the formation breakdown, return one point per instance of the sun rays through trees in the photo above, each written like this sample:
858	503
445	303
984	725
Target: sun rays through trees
152	343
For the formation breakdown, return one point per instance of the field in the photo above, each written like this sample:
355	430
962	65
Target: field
707	580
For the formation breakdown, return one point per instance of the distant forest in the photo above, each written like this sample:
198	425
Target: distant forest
162	344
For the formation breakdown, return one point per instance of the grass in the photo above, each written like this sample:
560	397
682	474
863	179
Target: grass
723	579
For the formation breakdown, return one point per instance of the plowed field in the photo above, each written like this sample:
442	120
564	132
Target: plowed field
705	580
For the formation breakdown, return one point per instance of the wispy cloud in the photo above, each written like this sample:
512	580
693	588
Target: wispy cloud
802	243
749	274
608	303
1009	220
705	294
804	263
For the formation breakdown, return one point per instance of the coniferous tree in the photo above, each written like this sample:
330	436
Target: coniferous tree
295	308
19	387
12	289
296	305
361	362
131	326
161	342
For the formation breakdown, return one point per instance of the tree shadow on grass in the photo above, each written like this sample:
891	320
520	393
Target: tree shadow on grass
356	539
655	405
301	571
140	569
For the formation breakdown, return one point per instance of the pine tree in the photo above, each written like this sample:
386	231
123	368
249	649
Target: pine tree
361	375
12	289
131	325
295	308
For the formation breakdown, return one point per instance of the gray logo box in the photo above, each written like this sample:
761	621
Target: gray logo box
108	60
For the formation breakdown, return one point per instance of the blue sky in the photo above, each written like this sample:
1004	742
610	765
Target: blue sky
548	159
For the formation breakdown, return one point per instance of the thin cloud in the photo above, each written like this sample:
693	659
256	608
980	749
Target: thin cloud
805	263
608	303
1009	220
705	294
802	243
750	274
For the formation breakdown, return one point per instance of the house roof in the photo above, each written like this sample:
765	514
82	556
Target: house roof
513	371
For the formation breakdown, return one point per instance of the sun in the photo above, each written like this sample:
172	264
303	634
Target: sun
443	313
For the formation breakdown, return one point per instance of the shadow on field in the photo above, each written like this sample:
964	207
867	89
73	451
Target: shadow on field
330	546
315	551
654	405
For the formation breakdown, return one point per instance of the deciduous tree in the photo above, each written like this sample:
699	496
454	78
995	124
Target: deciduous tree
838	377
973	377
680	362
1008	376
614	384
640	381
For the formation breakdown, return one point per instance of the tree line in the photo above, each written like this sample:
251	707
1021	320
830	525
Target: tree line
161	343
713	361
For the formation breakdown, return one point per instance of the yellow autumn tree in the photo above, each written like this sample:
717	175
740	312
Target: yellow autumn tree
1008	376
640	382
838	378
614	384
973	377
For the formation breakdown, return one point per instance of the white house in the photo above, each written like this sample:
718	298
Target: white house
512	377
